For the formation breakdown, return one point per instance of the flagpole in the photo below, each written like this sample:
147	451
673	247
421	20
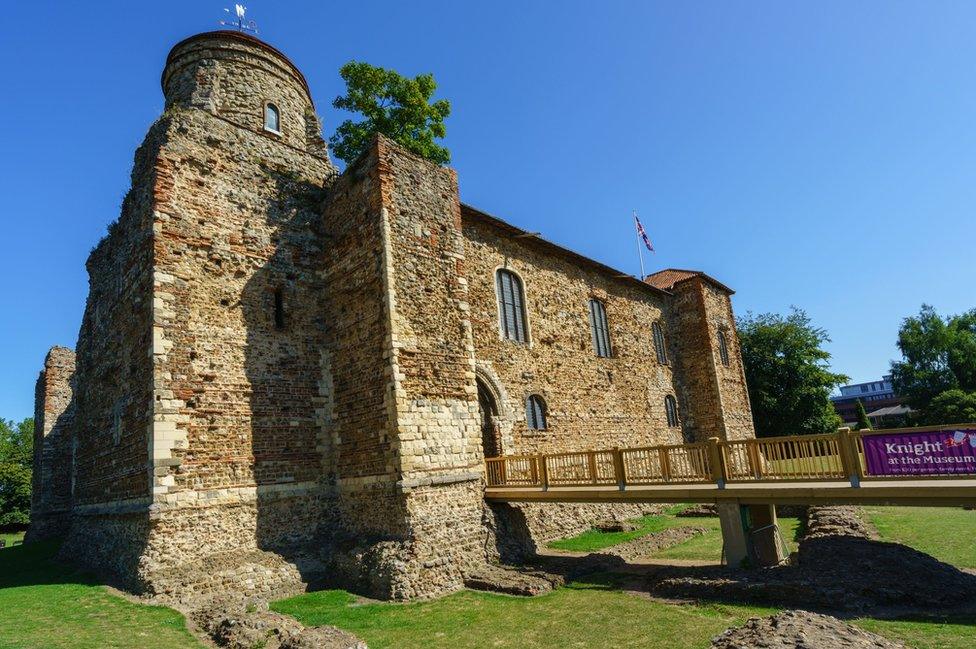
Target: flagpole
640	253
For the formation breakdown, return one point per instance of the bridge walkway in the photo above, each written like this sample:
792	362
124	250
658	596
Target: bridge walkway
933	466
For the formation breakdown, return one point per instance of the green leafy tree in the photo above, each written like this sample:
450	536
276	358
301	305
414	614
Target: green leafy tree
950	407
863	423
787	370
16	461
396	106
938	356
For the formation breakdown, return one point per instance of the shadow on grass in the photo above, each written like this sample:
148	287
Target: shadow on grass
34	564
844	576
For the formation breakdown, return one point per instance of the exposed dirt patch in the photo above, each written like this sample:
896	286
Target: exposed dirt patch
800	630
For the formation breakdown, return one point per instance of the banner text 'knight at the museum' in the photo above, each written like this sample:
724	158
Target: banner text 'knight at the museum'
938	452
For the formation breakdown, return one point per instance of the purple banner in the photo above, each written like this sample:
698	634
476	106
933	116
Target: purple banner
937	452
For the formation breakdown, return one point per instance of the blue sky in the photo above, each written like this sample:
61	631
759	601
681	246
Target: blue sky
818	154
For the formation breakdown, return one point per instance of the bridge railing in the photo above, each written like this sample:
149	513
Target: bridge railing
810	457
807	458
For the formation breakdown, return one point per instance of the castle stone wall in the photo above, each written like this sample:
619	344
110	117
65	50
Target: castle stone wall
238	434
53	418
438	438
113	378
361	413
276	377
592	402
717	396
233	75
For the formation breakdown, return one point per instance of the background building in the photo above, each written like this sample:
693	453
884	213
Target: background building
880	401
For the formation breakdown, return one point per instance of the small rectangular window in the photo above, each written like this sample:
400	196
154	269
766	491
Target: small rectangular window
659	348
279	310
723	348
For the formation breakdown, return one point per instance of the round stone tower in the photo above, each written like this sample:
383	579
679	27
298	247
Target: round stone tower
246	81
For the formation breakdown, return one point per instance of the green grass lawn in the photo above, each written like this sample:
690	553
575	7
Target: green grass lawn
588	613
593	613
44	604
706	547
11	537
946	533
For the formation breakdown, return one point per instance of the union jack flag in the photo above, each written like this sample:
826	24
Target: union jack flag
643	234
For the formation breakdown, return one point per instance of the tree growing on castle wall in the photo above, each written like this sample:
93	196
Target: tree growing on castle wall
863	423
937	372
396	106
787	370
16	461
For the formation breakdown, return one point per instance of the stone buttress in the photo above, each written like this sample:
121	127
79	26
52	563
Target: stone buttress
404	420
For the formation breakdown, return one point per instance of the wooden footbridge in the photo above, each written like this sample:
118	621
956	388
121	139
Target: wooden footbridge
934	466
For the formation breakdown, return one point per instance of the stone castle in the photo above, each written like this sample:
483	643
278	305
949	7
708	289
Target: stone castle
285	372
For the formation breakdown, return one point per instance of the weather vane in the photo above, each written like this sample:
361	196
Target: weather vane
241	24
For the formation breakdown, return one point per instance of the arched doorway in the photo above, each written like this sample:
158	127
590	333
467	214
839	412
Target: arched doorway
488	410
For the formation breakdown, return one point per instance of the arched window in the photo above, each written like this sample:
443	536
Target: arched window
535	412
659	348
723	348
272	118
511	306
671	409
599	329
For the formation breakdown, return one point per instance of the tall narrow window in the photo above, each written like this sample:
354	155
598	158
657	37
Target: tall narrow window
511	306
599	329
272	119
535	412
671	410
659	348
279	310
723	348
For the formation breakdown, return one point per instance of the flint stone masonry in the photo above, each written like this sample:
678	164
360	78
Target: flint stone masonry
277	376
53	418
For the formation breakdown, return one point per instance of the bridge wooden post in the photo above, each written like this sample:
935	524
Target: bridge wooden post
754	460
717	462
544	473
665	464
849	457
619	471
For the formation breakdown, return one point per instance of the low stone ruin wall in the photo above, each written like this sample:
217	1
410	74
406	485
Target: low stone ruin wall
550	521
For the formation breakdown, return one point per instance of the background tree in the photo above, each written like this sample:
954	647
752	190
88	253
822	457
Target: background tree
16	461
950	407
788	376
938	357
394	105
863	423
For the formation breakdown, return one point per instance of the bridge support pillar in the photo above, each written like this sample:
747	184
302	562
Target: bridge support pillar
750	532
